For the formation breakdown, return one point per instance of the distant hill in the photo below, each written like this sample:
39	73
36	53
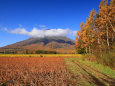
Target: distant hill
60	44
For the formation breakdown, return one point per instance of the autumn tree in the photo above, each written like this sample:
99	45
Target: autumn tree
99	29
97	34
87	33
79	39
106	21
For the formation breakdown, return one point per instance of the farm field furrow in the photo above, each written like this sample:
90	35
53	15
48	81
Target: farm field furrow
33	71
52	71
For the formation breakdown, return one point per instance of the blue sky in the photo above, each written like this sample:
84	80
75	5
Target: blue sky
35	15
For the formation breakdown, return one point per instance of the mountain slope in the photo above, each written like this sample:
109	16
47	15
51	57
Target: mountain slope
60	44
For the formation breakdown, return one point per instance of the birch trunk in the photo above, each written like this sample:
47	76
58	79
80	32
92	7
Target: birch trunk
111	26
98	40
107	34
86	50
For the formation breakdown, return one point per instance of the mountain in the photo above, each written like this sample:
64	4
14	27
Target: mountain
60	44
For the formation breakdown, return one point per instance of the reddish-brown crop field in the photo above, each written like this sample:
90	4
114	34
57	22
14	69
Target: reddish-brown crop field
33	71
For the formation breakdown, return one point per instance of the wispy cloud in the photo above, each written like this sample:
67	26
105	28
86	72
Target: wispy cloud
35	32
20	25
42	26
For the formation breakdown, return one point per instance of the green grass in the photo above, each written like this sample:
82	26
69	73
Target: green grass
71	66
101	68
84	83
76	70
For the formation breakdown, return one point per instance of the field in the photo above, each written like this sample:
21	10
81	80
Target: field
33	71
53	70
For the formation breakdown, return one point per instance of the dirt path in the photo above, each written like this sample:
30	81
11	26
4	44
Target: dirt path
83	75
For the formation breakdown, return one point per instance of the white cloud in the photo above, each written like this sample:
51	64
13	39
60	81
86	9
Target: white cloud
43	26
5	29
42	32
20	25
74	33
19	31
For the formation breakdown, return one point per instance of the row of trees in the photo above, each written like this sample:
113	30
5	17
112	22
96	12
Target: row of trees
22	51
98	32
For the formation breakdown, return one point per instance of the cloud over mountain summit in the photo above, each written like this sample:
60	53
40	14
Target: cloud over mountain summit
35	32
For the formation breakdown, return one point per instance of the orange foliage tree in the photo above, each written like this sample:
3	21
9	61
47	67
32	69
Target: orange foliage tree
99	29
